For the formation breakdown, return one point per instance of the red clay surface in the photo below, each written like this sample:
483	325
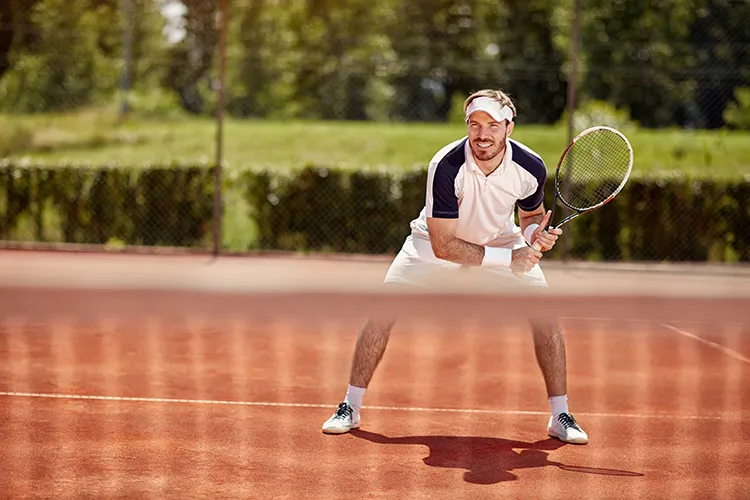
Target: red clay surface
668	415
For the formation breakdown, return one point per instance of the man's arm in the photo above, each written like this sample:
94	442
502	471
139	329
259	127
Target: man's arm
527	218
447	246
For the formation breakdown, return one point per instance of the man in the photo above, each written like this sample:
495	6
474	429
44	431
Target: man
473	186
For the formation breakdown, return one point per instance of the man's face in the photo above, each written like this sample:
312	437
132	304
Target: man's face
486	136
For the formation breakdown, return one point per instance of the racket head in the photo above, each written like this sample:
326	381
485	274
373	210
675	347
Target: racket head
593	169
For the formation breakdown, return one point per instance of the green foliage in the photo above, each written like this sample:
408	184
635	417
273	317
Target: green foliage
529	63
678	219
457	114
333	210
737	114
720	37
261	60
191	59
167	205
593	113
668	62
66	67
623	68
157	103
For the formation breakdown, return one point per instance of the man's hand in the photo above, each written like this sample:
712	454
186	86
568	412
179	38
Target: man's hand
523	259
545	240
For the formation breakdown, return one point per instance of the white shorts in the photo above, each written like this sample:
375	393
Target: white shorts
416	265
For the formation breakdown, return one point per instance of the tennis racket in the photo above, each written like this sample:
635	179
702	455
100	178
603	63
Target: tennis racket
592	170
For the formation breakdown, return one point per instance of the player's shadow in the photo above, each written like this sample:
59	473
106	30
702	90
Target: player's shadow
487	460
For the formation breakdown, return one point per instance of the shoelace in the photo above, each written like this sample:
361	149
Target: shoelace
567	421
343	411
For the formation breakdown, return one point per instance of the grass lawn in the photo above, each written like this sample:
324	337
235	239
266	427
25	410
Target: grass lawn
98	137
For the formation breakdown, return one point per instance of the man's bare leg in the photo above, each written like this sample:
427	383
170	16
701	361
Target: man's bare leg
549	346
369	350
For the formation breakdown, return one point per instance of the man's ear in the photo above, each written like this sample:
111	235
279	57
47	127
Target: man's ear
510	128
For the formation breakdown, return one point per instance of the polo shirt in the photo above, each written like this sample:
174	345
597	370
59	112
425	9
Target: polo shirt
483	204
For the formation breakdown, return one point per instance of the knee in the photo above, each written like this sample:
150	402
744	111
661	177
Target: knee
378	327
546	329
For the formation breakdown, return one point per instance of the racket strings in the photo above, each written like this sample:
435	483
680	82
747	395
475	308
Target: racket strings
593	169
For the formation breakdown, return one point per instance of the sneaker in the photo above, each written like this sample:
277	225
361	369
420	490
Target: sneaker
565	428
342	421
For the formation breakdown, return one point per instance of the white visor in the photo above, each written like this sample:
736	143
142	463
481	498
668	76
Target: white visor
491	107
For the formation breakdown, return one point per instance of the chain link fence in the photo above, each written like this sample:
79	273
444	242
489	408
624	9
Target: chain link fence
109	112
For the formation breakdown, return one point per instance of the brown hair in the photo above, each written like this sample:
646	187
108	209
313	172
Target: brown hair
497	95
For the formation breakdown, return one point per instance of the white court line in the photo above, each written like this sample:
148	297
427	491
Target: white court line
319	405
636	320
629	320
726	350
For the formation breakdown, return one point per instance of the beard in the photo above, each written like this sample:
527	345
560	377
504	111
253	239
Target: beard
486	154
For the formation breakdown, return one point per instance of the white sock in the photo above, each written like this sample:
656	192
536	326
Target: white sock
354	397
559	404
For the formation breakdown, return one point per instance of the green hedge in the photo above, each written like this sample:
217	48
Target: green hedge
332	210
353	211
168	206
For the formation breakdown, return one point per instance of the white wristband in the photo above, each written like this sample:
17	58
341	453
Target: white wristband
529	231
497	257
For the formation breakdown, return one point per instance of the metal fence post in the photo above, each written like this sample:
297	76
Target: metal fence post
127	47
572	83
220	128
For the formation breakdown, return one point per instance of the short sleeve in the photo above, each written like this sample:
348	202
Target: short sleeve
537	170
442	202
534	201
442	199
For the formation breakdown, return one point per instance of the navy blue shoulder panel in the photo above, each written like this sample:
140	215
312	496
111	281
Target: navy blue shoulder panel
444	199
536	167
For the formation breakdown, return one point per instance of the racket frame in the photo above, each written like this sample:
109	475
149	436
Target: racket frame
578	211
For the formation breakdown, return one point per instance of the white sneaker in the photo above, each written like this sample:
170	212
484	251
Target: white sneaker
342	421
565	428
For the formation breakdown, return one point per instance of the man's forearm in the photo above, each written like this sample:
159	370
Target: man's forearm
524	222
459	251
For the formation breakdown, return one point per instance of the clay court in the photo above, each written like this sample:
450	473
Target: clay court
142	376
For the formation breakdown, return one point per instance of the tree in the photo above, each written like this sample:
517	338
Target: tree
636	54
14	24
449	48
262	59
191	60
63	65
529	64
720	41
345	60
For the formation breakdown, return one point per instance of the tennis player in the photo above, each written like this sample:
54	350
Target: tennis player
468	225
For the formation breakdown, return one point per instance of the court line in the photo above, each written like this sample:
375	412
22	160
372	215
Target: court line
726	350
637	320
272	404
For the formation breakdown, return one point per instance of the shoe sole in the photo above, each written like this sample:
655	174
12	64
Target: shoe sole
569	441
340	430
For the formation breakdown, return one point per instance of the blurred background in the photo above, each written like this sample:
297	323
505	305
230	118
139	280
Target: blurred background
306	125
